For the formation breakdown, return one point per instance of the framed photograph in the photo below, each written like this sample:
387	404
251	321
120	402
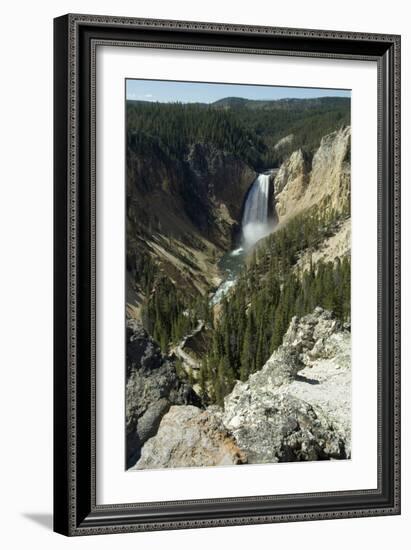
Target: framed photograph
227	277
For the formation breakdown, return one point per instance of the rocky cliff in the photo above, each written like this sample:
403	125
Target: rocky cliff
152	386
293	174
324	180
298	407
223	177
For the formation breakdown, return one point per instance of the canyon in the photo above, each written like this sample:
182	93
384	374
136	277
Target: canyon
210	223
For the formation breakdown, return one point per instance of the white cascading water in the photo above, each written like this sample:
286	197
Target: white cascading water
255	222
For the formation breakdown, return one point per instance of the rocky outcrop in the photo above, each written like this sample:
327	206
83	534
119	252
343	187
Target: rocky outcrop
325	181
189	436
298	407
314	337
152	387
293	175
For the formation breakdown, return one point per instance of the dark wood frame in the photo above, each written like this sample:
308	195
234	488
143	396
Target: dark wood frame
76	38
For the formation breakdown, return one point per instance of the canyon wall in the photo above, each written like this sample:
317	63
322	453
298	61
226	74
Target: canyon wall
324	179
183	212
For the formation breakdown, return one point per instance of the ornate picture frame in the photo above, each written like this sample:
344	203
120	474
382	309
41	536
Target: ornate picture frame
76	40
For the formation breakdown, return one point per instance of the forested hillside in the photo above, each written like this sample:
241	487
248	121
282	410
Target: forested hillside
248	129
307	121
174	127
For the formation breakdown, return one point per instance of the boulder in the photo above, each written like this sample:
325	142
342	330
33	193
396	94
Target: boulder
189	436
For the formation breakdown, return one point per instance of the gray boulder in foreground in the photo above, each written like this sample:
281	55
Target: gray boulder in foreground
189	436
152	386
298	406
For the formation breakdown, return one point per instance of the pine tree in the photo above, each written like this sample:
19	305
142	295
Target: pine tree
248	350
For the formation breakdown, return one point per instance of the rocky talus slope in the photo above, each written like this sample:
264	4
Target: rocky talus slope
325	180
297	407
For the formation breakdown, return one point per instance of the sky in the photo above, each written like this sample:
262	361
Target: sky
191	92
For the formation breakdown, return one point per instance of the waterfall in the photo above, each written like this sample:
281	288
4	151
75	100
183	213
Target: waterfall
256	223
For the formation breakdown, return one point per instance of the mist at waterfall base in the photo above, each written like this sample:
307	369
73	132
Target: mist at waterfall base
256	224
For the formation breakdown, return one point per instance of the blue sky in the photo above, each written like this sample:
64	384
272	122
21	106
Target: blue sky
188	92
